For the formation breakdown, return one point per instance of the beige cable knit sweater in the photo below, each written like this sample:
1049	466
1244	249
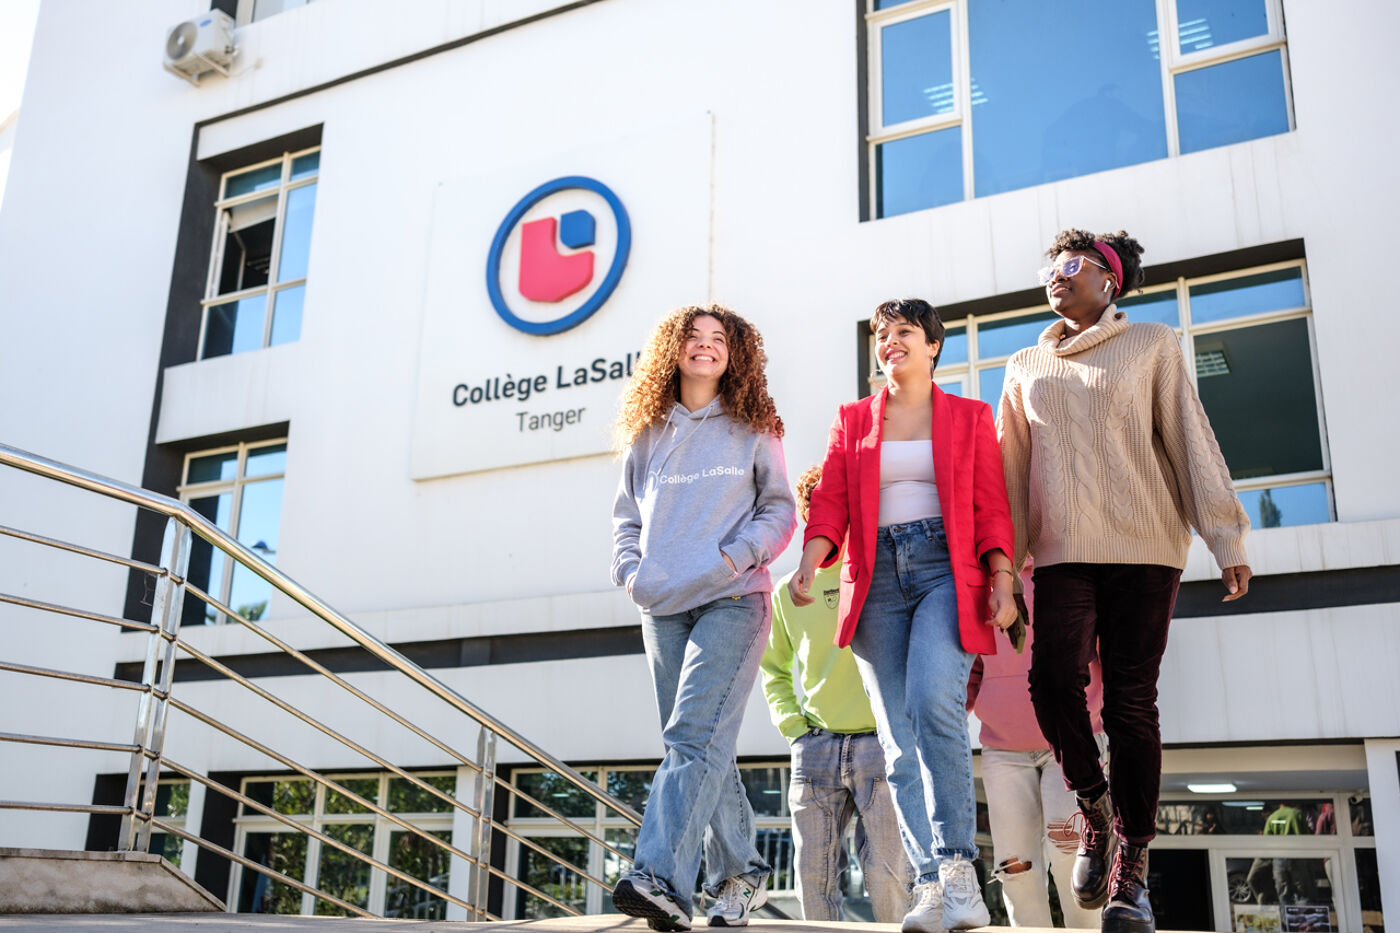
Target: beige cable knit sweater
1109	454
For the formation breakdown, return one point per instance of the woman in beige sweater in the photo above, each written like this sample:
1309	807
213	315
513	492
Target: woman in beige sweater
1109	462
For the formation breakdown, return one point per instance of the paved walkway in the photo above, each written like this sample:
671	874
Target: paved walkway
257	923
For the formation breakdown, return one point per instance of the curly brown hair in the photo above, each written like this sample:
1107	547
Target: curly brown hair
655	384
1128	249
804	486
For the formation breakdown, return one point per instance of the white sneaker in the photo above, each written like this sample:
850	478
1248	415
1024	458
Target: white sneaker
738	897
640	894
926	916
963	907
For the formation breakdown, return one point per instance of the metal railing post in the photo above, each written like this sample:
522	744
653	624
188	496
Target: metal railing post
485	801
158	675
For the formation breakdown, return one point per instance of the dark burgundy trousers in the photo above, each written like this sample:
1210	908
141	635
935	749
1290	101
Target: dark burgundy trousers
1124	611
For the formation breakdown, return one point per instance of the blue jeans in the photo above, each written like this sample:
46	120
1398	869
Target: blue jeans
835	777
915	670
703	665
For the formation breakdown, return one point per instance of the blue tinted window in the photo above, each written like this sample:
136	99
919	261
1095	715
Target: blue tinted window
954	387
1062	89
296	233
954	346
1159	306
918	172
1250	294
916	68
1003	338
235	327
302	166
1284	506
886	4
1228	103
1203	24
1256	385
989	382
286	315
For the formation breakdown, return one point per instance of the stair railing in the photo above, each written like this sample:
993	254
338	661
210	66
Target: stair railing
157	699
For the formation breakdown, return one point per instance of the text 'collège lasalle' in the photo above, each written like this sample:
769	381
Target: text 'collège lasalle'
520	388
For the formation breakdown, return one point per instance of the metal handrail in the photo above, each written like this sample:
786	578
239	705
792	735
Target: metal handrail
156	700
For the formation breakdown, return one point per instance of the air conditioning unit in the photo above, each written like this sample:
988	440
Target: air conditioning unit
200	45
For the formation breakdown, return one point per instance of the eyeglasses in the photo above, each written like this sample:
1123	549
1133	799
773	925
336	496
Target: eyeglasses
1069	267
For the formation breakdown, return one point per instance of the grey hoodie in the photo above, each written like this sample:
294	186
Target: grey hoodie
693	489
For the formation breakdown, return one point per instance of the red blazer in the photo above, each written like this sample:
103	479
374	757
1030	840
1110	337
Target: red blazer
971	492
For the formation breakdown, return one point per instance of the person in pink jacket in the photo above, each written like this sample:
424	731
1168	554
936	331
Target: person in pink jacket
1029	807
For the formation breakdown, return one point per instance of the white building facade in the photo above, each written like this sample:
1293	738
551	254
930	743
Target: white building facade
368	303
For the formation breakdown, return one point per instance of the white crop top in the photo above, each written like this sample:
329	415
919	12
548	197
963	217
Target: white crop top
908	489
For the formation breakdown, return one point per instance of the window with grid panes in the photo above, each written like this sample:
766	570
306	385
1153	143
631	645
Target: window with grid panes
974	97
333	870
262	242
766	787
239	489
1247	336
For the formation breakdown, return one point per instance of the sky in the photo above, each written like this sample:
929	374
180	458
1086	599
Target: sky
17	19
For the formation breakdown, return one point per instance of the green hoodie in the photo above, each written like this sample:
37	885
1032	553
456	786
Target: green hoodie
833	698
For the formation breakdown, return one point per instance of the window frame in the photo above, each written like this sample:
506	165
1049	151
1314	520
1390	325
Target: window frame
600	823
1173	63
967	373
187	492
961	114
223	207
246	823
1219	848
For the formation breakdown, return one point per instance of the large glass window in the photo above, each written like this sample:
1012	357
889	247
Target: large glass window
262	243
765	784
332	870
238	488
1247	336
974	97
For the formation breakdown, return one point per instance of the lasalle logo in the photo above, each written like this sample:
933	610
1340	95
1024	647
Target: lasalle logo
558	255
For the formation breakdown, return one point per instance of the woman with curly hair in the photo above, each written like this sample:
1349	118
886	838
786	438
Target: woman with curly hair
912	484
702	509
1109	463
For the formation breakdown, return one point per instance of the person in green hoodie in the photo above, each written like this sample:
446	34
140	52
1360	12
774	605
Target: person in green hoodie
702	509
838	767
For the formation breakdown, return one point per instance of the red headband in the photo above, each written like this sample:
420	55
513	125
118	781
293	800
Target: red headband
1115	264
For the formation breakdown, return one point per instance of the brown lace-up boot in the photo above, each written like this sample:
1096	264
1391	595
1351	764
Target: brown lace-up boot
1089	879
1129	910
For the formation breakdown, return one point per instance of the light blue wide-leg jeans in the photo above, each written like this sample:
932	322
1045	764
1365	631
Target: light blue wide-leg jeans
703	666
915	670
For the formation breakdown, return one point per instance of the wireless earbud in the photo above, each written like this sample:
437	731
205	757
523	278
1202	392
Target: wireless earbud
1108	286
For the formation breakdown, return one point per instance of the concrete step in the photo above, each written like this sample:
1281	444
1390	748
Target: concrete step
53	881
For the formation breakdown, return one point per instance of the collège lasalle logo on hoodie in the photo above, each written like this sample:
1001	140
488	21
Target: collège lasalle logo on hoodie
682	479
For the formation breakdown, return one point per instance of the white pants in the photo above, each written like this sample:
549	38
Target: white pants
1028	804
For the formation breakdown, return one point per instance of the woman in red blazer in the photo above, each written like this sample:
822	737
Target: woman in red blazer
912	483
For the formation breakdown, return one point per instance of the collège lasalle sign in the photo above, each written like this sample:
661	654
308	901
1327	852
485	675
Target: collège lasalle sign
528	365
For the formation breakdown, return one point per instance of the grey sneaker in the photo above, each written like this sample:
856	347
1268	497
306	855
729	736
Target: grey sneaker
926	916
641	894
963	907
738	897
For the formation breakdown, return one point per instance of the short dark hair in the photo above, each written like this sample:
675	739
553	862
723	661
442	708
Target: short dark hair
1128	249
915	311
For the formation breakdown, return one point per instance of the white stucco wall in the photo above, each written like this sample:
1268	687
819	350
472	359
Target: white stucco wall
87	241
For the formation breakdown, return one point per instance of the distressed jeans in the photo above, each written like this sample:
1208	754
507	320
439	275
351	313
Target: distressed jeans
836	777
703	665
1028	804
912	662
